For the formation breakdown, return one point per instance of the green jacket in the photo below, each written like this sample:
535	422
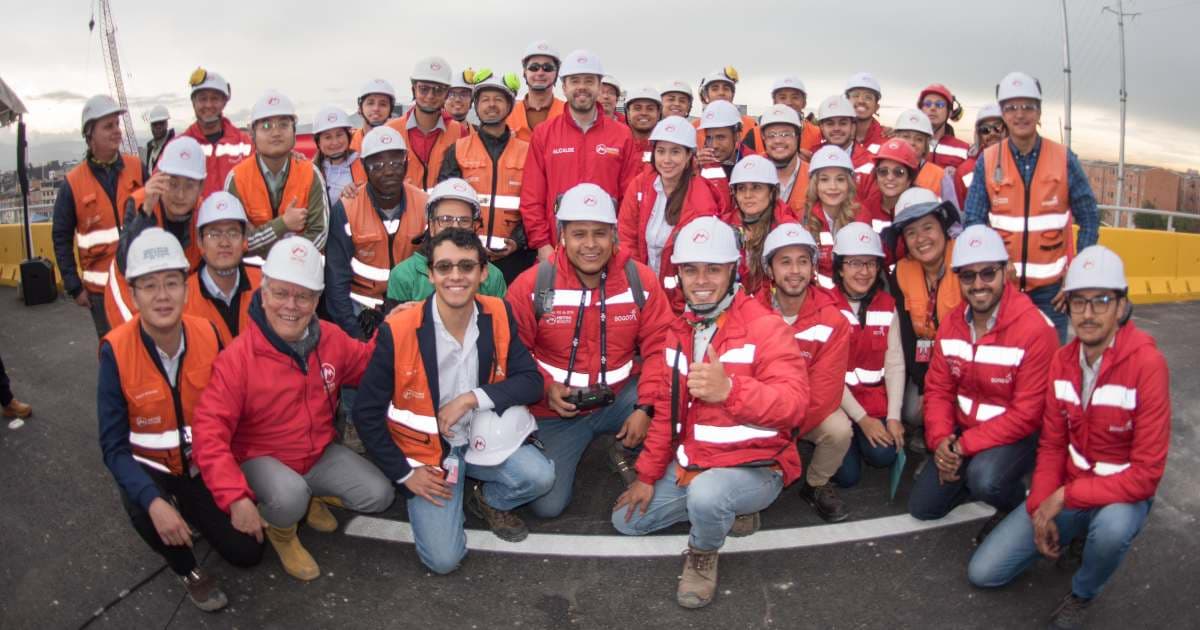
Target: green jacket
409	280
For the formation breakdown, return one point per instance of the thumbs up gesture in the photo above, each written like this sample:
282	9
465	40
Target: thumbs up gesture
708	381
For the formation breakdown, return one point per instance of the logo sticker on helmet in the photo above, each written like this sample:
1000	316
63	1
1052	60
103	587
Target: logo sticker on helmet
700	237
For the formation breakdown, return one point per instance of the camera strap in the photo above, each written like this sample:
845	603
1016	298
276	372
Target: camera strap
583	300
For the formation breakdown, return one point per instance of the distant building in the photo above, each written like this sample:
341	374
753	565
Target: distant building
1145	186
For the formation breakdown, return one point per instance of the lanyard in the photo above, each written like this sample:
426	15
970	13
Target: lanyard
933	295
583	298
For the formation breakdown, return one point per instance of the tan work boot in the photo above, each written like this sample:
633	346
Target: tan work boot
745	524
17	409
292	555
319	517
698	584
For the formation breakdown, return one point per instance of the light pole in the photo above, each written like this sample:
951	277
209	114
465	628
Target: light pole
1121	15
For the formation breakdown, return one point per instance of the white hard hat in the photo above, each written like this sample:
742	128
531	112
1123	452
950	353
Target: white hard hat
863	80
453	188
785	235
183	157
494	82
836	106
330	118
788	83
780	114
581	62
915	198
991	110
978	243
295	259
211	81
752	169
98	107
380	139
220	206
377	86
1096	267
458	80
1018	85
154	249
609	79
643	93
587	202
705	240
158	113
540	48
914	120
721	74
830	156
720	114
433	70
496	436
679	86
675	129
271	103
857	239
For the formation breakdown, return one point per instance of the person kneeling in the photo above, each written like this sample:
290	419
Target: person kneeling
447	383
731	395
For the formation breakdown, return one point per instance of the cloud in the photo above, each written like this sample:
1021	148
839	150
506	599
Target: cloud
60	96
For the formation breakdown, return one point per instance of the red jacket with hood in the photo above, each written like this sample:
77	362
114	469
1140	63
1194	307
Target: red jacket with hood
232	147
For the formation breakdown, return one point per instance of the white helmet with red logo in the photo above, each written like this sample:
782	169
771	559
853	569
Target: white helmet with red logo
720	114
272	103
295	259
836	106
644	93
381	139
674	129
864	80
587	202
183	157
433	70
857	239
540	48
978	244
1096	267
788	83
453	188
830	156
581	62
754	169
914	120
220	206
786	235
780	115
330	118
706	240
1018	85
496	436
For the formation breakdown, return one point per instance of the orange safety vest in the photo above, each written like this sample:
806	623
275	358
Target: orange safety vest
1035	222
252	190
379	246
930	178
412	414
749	126
798	199
158	435
423	175
911	278
358	174
200	306
498	185
810	138
519	122
97	222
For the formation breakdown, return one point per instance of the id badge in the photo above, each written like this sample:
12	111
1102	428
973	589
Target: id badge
924	350
450	465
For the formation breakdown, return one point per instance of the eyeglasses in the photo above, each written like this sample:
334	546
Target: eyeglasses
990	129
459	95
987	275
426	89
861	265
1022	107
898	172
304	299
223	235
285	124
1100	303
172	285
183	184
445	267
449	221
939	104
545	67
374	167
778	135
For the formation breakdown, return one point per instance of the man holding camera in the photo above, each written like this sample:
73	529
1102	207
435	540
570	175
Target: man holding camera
593	309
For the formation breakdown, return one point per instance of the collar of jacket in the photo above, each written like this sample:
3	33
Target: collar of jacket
400	207
259	317
485	345
495	145
242	286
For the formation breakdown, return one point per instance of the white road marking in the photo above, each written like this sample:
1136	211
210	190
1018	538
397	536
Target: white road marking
618	546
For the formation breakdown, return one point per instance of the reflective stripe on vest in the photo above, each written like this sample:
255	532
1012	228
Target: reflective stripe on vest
712	172
416	422
1103	469
230	150
942	148
97	237
578	379
151	463
503	202
157	441
859	376
819	332
1037	223
118	296
365	300
1041	271
98	278
670	282
1003	356
1115	396
825	281
744	354
676	359
1065	392
985	411
968	178
360	268
715	434
646	156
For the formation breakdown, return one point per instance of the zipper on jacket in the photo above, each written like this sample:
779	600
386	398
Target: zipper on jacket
492	206
1025	234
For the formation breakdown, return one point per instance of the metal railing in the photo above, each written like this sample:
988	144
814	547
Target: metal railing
1121	211
37	213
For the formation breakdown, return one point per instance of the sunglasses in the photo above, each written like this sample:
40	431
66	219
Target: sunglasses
542	67
445	267
928	103
990	129
1100	303
449	220
987	275
375	167
897	172
1023	107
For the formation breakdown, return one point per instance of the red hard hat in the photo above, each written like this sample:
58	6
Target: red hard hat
900	151
935	88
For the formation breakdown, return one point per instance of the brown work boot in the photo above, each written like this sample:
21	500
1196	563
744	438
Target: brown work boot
292	555
203	590
621	460
745	524
319	517
825	501
505	525
698	584
17	409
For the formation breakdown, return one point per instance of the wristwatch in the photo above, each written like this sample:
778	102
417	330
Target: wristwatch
646	409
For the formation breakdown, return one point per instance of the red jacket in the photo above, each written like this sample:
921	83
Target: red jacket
992	391
949	151
868	350
1115	450
873	139
630	331
781	214
288	411
965	172
763	414
560	156
233	146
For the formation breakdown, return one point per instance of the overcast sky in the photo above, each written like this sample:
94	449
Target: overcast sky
320	52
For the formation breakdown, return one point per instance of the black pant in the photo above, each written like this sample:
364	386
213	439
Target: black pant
6	394
99	316
196	505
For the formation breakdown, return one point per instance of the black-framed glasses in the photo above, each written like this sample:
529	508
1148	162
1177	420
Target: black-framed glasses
856	266
543	67
375	167
445	267
939	104
986	129
988	275
427	89
447	220
1100	303
898	172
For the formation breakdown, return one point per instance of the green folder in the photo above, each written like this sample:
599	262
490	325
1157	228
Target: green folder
897	474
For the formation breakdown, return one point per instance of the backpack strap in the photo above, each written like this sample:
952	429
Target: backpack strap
543	294
635	283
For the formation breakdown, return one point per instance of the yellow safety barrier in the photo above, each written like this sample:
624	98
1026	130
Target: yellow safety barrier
12	251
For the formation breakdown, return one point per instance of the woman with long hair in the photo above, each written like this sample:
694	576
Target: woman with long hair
831	203
757	210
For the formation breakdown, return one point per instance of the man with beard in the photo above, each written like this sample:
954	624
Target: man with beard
427	132
643	110
540	66
780	128
224	145
376	100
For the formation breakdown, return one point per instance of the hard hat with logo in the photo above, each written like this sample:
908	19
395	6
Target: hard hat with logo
643	93
978	244
154	250
501	83
377	86
677	86
898	150
494	437
836	106
381	139
98	107
728	74
780	115
754	169
914	120
675	129
272	103
581	62
1018	85
857	239
157	114
786	235
830	156
453	188
705	240
991	110
586	202
220	206
330	117
864	80
720	114
202	79
1096	267
788	83
183	157
431	69
609	79
295	259
540	48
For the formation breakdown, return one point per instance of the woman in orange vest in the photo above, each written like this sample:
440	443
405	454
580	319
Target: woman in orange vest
152	370
221	288
830	204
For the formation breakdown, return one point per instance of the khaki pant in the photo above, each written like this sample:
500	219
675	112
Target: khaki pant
832	439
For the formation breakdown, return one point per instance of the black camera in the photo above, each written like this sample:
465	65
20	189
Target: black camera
591	397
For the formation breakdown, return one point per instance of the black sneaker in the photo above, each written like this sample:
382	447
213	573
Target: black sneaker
505	525
1070	613
988	526
825	501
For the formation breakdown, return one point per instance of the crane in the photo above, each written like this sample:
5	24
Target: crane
112	63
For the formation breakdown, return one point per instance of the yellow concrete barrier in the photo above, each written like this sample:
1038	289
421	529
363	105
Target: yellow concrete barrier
12	251
1161	266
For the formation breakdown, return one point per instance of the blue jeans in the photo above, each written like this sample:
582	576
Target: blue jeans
1041	298
710	502
992	476
438	531
1010	548
566	439
861	449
